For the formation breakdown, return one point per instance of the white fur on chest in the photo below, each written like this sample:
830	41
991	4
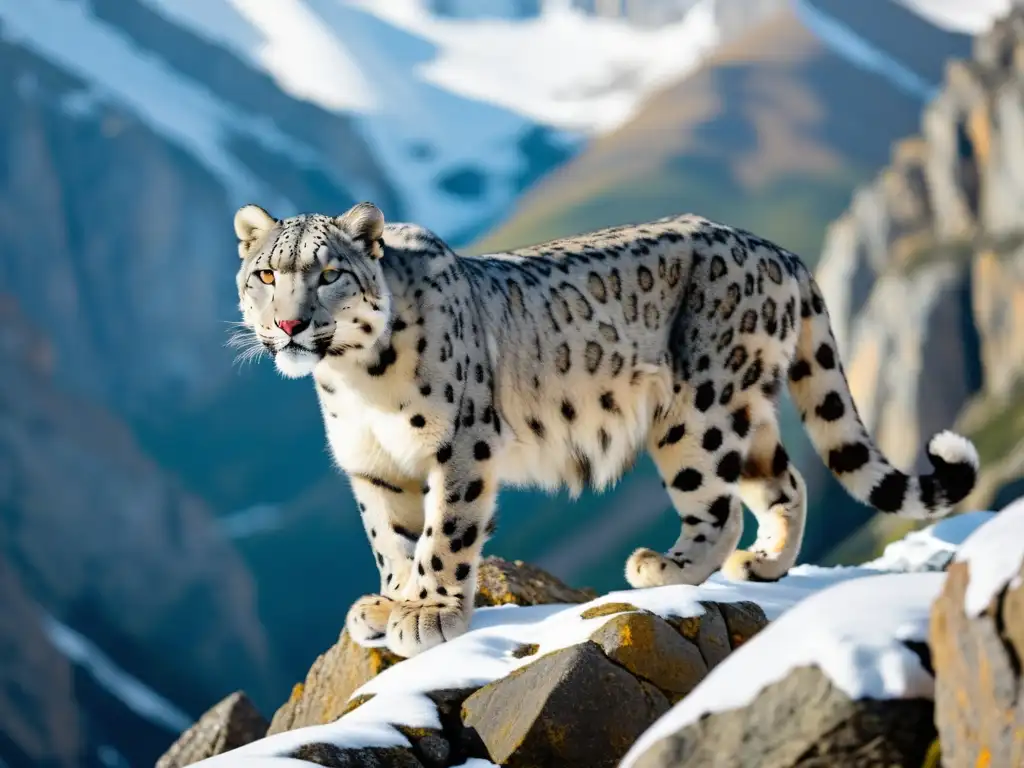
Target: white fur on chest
367	440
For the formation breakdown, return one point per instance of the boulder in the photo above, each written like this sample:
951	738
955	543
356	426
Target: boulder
573	707
504	582
233	722
333	678
743	620
979	689
802	721
346	666
585	705
652	650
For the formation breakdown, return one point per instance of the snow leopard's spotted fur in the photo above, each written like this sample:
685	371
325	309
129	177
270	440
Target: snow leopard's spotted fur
441	376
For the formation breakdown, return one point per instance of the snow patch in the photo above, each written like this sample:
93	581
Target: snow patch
848	620
116	70
562	68
138	697
969	17
444	102
484	654
853	632
994	554
930	548
861	53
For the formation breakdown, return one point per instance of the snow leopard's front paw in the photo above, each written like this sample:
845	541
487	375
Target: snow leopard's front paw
647	568
367	619
416	625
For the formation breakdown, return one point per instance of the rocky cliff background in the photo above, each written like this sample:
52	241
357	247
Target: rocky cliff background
149	565
924	276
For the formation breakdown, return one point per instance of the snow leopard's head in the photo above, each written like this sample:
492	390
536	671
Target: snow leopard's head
311	285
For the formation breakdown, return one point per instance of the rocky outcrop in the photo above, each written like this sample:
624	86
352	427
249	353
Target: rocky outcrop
979	687
232	723
574	707
338	672
841	679
332	679
585	705
803	721
501	582
582	705
927	268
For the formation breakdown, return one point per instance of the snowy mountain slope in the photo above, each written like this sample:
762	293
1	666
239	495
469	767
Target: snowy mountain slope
112	67
971	18
443	102
135	694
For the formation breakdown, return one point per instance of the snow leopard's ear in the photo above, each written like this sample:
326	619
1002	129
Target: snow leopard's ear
251	224
364	223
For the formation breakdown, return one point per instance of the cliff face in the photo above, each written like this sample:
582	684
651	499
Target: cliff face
94	534
106	221
924	274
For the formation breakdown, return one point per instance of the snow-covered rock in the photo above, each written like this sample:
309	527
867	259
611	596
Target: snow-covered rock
797	687
848	634
977	642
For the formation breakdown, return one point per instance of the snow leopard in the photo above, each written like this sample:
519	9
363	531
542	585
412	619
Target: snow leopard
443	376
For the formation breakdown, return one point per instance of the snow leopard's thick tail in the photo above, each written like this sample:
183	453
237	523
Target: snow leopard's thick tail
818	385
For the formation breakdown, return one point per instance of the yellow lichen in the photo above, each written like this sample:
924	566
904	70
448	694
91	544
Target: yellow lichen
297	690
625	635
688	627
414	734
933	758
355	703
607	609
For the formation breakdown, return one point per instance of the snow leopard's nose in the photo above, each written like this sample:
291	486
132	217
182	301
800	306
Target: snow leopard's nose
292	327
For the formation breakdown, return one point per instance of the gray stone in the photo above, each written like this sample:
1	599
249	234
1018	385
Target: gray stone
335	757
652	650
572	708
232	723
803	721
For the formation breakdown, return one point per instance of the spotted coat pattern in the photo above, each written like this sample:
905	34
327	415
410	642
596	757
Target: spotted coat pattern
443	376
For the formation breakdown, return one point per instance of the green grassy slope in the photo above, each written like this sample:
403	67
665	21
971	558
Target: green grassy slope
772	134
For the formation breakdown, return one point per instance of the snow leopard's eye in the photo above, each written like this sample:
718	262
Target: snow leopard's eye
329	275
266	276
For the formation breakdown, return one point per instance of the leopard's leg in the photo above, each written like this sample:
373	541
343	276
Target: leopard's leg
391	509
699	447
773	489
437	601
